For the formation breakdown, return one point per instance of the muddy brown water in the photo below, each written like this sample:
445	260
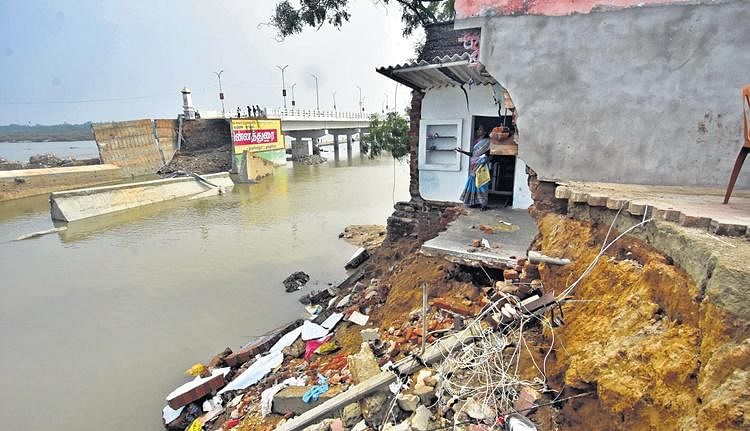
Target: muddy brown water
98	323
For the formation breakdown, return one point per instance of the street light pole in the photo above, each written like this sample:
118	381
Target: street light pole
317	98
360	98
221	93
293	102
334	100
283	83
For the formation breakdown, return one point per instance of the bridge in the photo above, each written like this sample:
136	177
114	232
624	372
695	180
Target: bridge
305	127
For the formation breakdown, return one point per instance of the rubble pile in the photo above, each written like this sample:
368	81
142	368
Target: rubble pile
344	345
208	161
314	159
48	160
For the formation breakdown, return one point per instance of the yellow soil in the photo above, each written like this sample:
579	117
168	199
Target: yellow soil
637	339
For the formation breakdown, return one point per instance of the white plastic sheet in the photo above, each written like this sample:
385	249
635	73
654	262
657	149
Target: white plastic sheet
287	340
169	414
332	321
262	366
312	331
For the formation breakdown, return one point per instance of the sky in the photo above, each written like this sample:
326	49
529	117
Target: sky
99	60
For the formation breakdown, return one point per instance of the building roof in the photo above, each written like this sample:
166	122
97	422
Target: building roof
453	70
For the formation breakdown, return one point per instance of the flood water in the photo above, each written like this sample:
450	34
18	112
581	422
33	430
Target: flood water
98	323
21	151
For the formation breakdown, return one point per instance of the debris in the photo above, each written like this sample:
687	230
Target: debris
266	397
478	411
327	348
332	321
370	334
213	414
407	402
526	400
357	258
337	425
289	400
197	425
231	423
169	414
312	345
262	366
312	331
316	391
422	419
296	350
476	243
358	318
536	257
485	243
519	422
296	281
351	415
314	310
41	233
197	388
197	370
211	404
344	301
259	344
360	426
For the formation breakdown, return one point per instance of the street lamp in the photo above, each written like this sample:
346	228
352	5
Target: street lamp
221	93
360	98
283	83
293	102
334	100
317	98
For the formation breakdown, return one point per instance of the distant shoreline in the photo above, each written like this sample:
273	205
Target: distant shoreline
45	139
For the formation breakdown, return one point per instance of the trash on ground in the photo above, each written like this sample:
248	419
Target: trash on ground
358	318
312	331
262	366
316	391
357	258
197	388
296	281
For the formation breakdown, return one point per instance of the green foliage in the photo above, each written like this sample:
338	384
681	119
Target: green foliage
389	133
41	133
290	19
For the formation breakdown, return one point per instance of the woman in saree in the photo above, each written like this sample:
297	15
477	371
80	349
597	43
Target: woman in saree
477	187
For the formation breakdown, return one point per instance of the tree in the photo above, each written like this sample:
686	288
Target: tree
389	133
290	19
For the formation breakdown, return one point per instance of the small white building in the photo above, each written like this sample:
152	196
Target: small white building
458	95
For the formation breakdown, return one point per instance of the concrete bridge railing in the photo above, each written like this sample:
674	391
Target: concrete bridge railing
315	115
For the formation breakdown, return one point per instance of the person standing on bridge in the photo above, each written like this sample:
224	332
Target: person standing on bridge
248	110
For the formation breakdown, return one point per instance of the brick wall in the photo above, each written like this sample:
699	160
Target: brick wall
415	116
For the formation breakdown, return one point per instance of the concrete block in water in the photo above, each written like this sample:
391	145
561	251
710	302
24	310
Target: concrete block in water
21	183
253	168
91	202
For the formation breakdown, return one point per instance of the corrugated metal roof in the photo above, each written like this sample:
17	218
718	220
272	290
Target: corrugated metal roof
440	72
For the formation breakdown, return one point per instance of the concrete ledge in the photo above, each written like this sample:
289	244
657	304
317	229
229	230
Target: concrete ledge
91	202
697	207
30	182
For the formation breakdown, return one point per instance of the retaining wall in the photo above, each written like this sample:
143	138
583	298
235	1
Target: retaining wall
30	182
84	203
139	147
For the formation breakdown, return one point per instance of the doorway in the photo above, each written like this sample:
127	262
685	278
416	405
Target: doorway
502	165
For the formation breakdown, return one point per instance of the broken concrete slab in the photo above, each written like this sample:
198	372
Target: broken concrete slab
91	202
253	168
197	388
260	344
454	244
21	183
357	258
289	400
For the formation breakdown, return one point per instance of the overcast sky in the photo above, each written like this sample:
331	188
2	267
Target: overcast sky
83	50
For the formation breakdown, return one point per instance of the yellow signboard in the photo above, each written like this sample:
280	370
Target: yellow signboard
254	135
